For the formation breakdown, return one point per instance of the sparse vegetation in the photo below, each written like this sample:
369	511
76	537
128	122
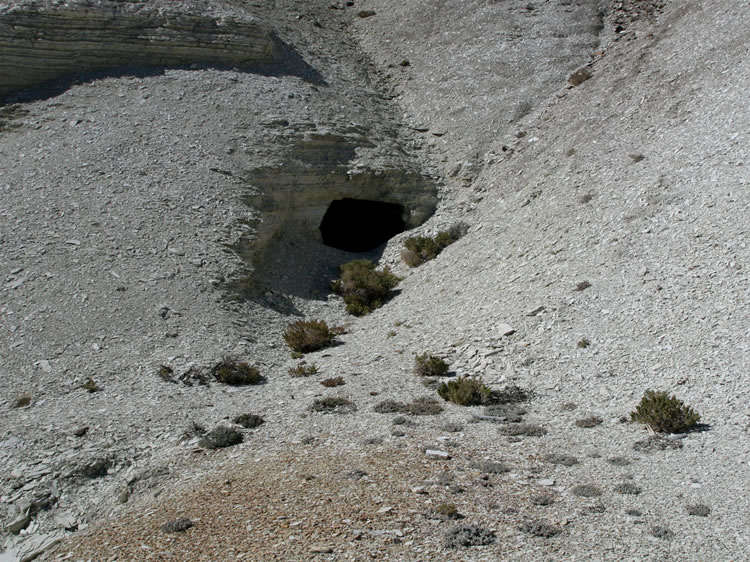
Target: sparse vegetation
333	405
618	461
468	535
465	391
448	511
430	366
512	394
590	421
333	381
22	401
452	427
420	249
586	491
363	287
248	421
628	489
656	443
165	373
664	413
221	436
422	407
303	370
582	286
90	386
662	532
232	372
559	458
542	499
179	525
583	343
539	529
388	407
305	336
523	430
698	510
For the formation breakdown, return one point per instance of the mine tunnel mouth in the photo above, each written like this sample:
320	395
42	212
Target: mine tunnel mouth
359	225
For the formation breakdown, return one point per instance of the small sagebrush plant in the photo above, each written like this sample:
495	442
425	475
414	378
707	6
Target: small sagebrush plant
305	336
236	373
664	413
420	249
303	370
465	391
363	287
429	366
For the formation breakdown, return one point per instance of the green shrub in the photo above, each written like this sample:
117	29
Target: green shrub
363	287
664	413
429	366
229	371
420	249
308	335
303	370
90	386
165	373
22	401
465	391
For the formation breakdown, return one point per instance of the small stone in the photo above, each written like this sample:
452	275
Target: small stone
45	366
505	330
385	509
20	522
73	242
436	454
535	311
178	525
321	549
124	496
546	482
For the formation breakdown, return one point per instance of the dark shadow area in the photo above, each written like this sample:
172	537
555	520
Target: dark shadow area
356	225
288	63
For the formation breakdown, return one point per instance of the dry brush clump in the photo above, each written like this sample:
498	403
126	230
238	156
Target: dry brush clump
420	249
426	365
363	287
305	336
236	373
664	413
302	369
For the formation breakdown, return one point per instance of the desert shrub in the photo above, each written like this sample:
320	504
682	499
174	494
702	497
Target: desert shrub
539	529
656	443
420	249
523	429
491	467
363	287
165	373
179	525
303	370
468	535
305	336
542	500
22	401
560	458
465	391
505	413
699	510
401	420
429	366
586	491
422	407
452	427
333	405
583	343
221	436
248	421
618	461
388	407
448	511
512	394
236	373
662	532
90	386
333	381
628	489
591	421
664	413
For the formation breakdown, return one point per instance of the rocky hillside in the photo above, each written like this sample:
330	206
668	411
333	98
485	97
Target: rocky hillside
161	204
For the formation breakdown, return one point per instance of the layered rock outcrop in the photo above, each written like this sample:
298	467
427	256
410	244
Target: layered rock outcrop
42	42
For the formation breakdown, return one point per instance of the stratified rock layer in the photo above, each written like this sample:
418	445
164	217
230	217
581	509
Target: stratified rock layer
41	43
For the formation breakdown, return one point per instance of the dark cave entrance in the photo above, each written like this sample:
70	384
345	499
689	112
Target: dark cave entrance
357	225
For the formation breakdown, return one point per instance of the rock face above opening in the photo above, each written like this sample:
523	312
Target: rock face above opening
357	225
42	43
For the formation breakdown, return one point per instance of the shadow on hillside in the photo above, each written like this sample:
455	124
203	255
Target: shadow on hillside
288	63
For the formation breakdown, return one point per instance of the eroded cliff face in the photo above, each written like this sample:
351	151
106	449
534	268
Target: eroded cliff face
40	42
